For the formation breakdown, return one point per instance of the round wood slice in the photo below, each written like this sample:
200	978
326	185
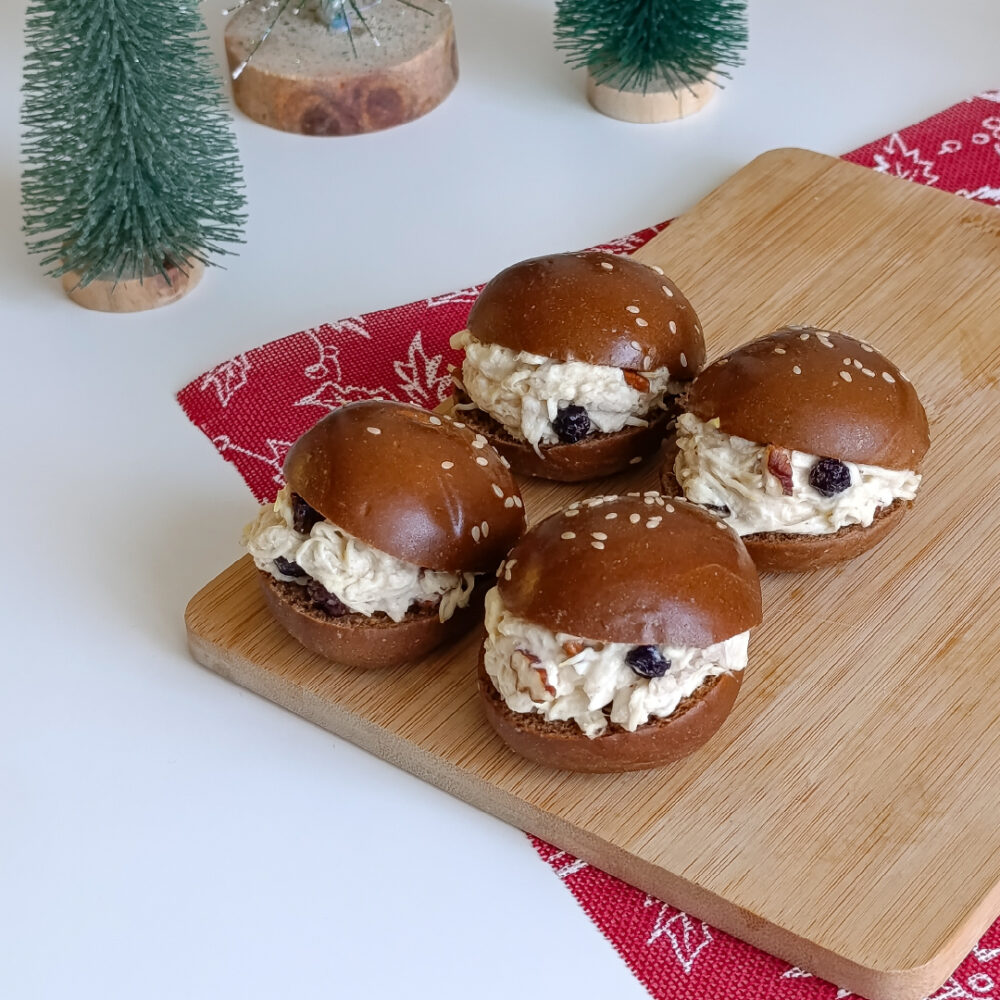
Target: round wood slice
652	106
305	78
133	294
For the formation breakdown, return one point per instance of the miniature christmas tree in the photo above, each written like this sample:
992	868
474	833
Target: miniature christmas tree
131	172
650	48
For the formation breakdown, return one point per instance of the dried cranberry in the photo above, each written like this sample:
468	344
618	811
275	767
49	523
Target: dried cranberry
304	516
288	568
829	477
325	601
647	661
571	424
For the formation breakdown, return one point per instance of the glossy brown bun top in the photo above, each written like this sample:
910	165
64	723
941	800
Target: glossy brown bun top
815	391
422	487
633	569
596	307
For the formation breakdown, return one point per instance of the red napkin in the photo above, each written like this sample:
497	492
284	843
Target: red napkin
255	405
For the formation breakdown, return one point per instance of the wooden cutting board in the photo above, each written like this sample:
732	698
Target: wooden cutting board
847	816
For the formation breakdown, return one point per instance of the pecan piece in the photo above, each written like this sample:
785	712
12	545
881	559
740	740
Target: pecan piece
537	680
779	464
638	382
573	646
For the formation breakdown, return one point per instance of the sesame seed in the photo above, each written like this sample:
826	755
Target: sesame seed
480	460
653	522
567	535
867	347
509	502
888	377
632	309
476	532
779	350
436	421
458	423
846	376
722	361
721	525
667	290
498	491
803	336
504	462
904	376
610	517
486	528
597	545
447	465
599	535
647	363
374	430
857	364
796	369
518	502
684	360
651	493
633	494
636	460
501	568
649	499
824	340
479	441
634	518
510	564
572	512
673	326
868	372
670	508
847	361
639	321
658	270
635	344
506	575
607	266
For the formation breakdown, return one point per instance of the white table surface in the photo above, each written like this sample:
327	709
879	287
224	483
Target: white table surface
165	834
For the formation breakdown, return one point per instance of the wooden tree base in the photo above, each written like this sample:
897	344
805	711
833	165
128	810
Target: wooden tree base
305	78
652	106
133	294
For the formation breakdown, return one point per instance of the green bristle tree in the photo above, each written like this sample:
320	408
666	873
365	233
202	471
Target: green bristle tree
130	162
652	44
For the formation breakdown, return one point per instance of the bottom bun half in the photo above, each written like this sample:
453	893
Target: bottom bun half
367	643
660	741
591	458
784	552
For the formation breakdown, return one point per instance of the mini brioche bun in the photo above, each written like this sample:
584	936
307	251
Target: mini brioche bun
599	308
657	572
422	487
819	392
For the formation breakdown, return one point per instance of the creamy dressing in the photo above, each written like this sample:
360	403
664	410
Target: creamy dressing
536	670
723	470
524	392
363	578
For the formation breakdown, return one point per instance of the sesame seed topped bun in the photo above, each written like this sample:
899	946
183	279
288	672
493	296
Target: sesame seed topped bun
419	486
633	569
617	634
815	391
596	307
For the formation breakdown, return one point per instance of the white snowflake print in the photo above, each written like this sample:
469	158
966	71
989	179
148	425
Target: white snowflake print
624	244
333	395
796	973
895	159
982	194
226	379
462	295
985	954
688	937
978	986
570	867
990	95
424	379
274	457
325	337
